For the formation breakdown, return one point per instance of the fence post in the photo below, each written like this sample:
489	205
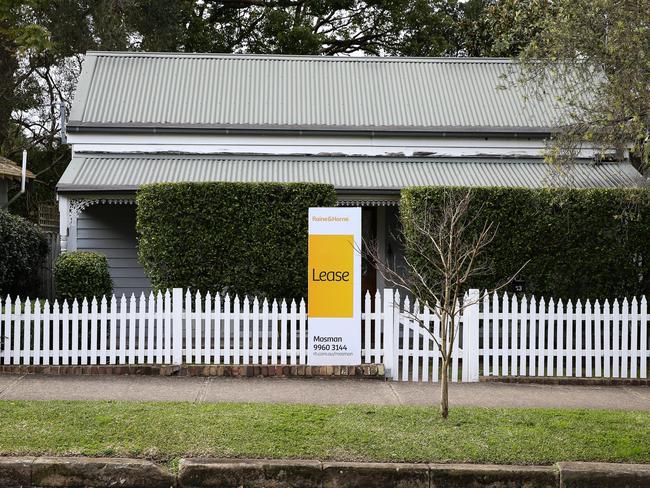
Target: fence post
471	337
389	333
177	326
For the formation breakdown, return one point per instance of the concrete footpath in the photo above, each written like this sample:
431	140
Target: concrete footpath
316	391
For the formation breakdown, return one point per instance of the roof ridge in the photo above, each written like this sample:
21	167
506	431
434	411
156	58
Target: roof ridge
302	57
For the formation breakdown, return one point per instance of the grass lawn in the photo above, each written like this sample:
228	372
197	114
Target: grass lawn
167	431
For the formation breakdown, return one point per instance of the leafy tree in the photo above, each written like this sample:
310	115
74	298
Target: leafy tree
19	36
405	27
42	43
601	47
41	47
502	28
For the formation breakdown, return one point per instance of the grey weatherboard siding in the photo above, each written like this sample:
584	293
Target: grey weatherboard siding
110	230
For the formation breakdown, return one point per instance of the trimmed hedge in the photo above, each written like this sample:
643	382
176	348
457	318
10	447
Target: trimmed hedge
244	238
582	243
23	248
82	274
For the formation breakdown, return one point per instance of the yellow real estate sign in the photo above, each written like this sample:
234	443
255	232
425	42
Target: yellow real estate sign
331	276
334	286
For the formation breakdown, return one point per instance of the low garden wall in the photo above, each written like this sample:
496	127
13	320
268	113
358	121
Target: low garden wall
45	472
366	371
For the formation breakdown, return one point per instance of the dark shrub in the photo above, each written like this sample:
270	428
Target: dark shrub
22	250
592	243
246	238
80	274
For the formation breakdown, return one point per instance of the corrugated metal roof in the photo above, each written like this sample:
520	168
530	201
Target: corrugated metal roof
220	91
12	171
102	172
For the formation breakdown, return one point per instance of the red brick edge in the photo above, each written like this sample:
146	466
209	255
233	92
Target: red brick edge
565	380
367	371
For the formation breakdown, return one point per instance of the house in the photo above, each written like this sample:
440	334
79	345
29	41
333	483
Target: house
369	126
10	171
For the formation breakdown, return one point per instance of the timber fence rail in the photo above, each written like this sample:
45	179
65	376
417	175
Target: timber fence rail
498	335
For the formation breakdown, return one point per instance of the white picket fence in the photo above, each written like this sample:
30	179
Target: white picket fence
498	335
524	337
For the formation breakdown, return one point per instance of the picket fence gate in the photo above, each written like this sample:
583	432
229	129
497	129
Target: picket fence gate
498	335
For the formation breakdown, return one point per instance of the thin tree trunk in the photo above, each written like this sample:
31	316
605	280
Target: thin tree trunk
444	390
8	67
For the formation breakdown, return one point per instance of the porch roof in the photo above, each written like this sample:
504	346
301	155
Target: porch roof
127	172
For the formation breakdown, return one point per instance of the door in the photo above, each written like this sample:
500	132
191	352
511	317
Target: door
369	236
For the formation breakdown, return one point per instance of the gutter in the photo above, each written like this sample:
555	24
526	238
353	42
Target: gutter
510	132
134	188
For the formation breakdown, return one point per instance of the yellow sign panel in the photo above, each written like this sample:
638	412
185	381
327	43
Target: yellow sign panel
330	282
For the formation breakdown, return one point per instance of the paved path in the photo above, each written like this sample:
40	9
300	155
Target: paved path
316	391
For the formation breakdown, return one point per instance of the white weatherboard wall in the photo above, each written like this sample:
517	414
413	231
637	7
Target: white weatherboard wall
500	335
365	145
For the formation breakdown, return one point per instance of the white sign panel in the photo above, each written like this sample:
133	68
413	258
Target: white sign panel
334	286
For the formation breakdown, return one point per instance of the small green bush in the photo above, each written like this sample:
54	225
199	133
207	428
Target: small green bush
245	238
23	248
80	274
592	243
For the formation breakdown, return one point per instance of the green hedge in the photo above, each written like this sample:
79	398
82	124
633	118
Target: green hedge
245	238
22	251
582	243
80	274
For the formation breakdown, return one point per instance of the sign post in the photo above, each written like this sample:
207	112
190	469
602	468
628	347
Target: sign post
334	287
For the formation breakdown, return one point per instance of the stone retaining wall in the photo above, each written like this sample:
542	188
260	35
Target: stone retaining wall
51	472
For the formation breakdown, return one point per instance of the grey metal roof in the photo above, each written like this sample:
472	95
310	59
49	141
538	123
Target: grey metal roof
110	172
172	91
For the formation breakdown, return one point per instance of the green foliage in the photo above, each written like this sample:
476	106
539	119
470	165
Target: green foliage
22	250
246	238
42	43
580	243
603	45
503	27
80	274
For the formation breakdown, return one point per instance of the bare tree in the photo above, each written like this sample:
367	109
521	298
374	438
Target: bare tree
445	246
